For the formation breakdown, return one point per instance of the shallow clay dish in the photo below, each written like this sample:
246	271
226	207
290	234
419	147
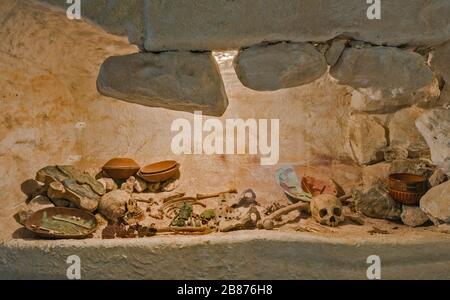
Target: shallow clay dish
35	221
407	188
158	167
161	176
121	168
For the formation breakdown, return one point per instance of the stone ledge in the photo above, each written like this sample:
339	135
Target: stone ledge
238	255
160	25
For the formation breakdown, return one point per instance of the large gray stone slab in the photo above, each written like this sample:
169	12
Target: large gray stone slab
440	61
278	66
183	81
224	24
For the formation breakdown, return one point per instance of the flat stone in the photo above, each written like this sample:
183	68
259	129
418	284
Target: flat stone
403	132
428	96
367	138
413	216
159	25
437	178
382	72
375	202
436	202
277	66
335	51
183	81
434	125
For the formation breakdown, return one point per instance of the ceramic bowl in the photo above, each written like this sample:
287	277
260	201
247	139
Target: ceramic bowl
121	168
407	188
158	167
161	176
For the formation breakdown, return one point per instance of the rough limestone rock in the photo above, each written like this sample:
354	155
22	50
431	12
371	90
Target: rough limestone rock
375	173
392	153
140	185
403	132
277	66
382	72
334	52
444	98
159	25
375	202
128	185
413	216
436	202
440	61
367	138
434	125
183	81
108	183
437	178
428	96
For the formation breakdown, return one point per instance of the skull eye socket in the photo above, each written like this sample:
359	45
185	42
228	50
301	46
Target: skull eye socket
337	211
323	212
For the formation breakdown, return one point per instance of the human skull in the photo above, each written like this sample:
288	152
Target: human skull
327	210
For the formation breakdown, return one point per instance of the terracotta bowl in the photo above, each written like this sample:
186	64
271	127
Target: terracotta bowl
161	176
158	167
121	168
34	222
407	188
